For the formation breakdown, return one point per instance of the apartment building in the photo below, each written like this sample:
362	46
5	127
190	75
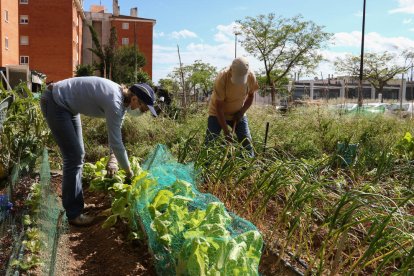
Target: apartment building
50	35
9	32
131	30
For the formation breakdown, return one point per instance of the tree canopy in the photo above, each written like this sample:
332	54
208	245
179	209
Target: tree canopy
283	44
197	75
124	65
379	68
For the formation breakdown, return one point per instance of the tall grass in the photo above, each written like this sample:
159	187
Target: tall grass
339	219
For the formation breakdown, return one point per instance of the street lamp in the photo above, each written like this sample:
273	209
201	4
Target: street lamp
235	43
361	69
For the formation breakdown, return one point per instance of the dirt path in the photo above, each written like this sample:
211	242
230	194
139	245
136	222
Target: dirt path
97	251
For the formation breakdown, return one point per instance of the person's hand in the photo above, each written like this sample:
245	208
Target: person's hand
128	176
238	116
111	166
229	137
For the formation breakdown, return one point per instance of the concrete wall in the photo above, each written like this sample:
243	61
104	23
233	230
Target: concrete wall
101	23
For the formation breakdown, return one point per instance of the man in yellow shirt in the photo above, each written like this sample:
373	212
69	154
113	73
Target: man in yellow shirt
233	94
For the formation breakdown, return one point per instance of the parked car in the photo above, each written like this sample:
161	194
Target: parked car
365	108
405	109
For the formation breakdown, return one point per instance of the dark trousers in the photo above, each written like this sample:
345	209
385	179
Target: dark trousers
242	132
67	130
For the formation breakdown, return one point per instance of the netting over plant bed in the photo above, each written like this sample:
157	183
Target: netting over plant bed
35	223
188	232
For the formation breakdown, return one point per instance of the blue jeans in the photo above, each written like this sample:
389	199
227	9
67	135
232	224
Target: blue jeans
242	132
67	130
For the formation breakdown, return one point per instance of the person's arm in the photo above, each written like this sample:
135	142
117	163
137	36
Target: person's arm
249	100
114	123
220	117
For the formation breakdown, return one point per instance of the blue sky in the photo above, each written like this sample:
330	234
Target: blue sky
203	29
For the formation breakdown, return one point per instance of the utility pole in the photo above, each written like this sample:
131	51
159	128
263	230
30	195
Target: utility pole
361	68
184	101
401	92
412	84
135	52
235	43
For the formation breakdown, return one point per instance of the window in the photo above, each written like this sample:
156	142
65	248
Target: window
24	1
125	26
125	41
24	19
6	16
24	60
24	40
6	43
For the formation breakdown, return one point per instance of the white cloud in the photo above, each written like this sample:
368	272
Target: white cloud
183	34
407	21
220	52
358	13
411	30
157	35
404	6
225	33
374	42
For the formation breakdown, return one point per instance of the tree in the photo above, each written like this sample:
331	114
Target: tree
84	70
203	76
124	64
104	53
280	84
379	68
198	74
170	85
283	44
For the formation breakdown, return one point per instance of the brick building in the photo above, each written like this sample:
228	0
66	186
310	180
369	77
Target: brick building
9	32
52	36
131	30
50	42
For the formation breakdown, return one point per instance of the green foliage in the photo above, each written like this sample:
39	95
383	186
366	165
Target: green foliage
405	146
198	239
171	85
379	68
25	132
83	70
280	84
283	44
127	62
317	208
104	52
197	76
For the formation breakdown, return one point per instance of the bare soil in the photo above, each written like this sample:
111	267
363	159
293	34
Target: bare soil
97	251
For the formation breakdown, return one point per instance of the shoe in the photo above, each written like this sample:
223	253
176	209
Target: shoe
82	220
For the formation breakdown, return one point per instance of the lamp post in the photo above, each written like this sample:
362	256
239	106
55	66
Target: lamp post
135	53
361	69
235	43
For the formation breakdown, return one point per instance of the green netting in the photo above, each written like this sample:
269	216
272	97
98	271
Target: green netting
188	232
51	219
35	241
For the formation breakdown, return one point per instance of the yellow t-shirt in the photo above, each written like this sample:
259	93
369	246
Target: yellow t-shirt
232	95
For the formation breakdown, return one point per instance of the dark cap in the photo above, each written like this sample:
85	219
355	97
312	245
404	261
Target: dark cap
145	93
